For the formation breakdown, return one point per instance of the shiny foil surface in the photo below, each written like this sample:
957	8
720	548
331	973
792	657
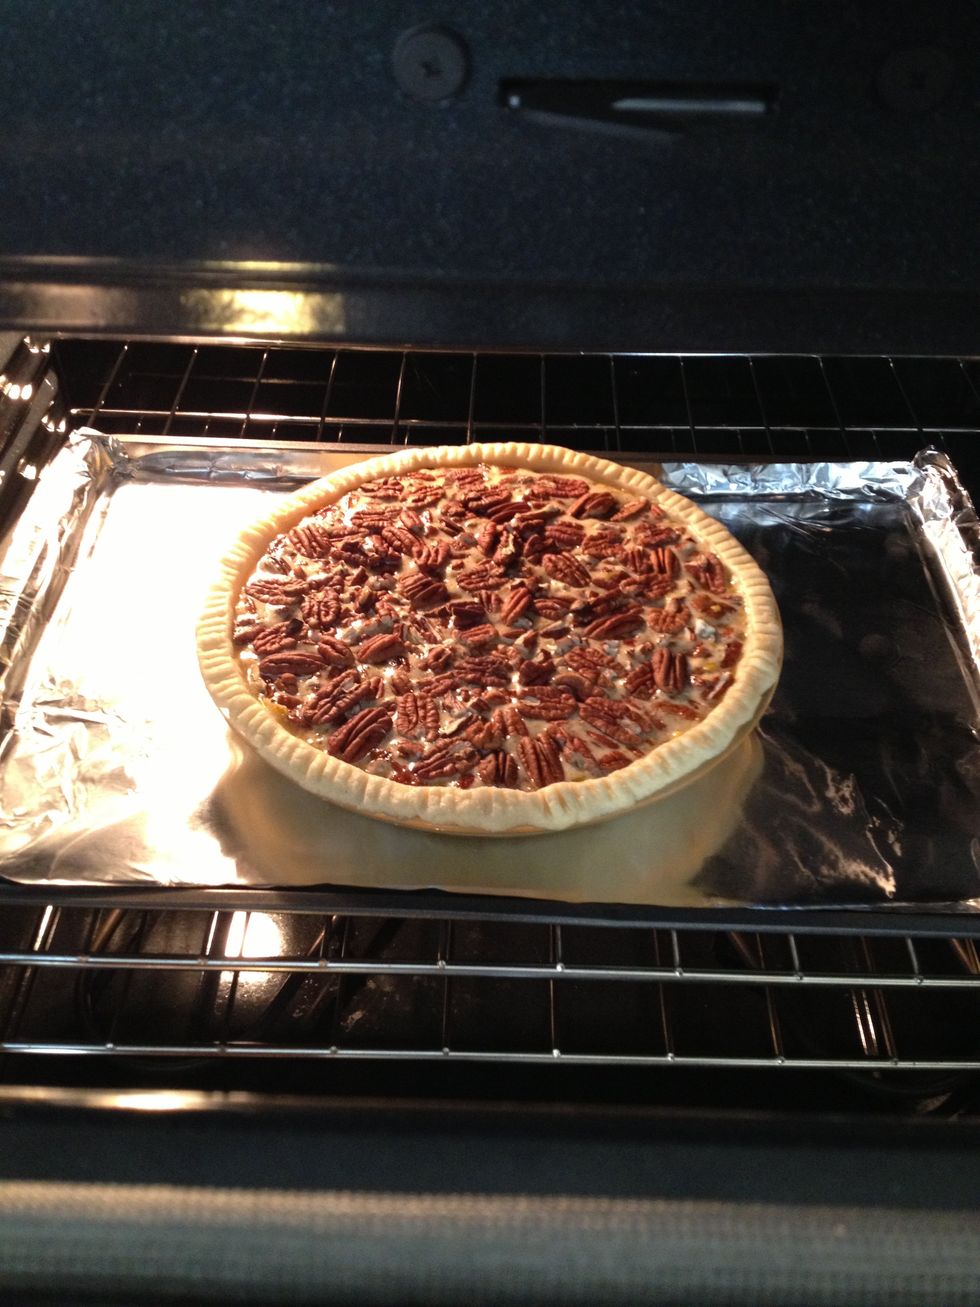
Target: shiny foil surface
861	786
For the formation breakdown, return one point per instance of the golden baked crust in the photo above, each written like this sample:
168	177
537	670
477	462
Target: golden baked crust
491	809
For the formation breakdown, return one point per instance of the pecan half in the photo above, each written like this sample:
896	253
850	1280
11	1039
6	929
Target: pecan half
437	659
279	636
482	501
431	557
541	759
466	479
553	607
557	487
708	572
588	610
563	567
423	591
289	660
428	715
400	682
603	542
276	593
614	760
508	550
589	661
668	620
373	519
360	735
445	760
406	713
334	701
663	560
617	718
515	605
484	735
505	512
490	669
616	626
381	649
532	672
400	538
411	520
650	586
632	508
480	637
546	703
640	681
483	576
509	721
334	652
533	523
385	488
246	628
598	503
669	670
423	496
487	537
321	609
575	683
651	536
466	613
365	599
564	535
498	768
381	557
311	540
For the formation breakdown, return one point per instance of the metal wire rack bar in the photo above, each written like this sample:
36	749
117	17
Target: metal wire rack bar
248	1006
178	386
547	1058
500	971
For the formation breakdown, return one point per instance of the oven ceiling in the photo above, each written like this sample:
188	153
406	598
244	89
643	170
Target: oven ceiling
691	176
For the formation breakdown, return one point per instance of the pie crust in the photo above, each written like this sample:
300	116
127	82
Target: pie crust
492	809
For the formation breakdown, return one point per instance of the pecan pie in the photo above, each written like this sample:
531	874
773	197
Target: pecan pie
500	638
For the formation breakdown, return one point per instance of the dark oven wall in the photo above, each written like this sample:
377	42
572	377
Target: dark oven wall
696	176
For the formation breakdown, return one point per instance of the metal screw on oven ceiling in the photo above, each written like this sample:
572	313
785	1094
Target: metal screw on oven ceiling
430	63
916	80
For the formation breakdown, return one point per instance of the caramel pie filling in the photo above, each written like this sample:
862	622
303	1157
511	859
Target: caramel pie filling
489	626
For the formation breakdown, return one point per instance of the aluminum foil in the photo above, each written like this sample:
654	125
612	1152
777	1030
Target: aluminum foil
861	788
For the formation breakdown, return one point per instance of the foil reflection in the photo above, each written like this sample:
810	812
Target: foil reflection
863	788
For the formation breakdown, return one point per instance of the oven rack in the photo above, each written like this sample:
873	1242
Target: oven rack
168	984
179	983
672	406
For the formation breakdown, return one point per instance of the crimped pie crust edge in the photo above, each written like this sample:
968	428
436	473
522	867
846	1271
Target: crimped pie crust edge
490	810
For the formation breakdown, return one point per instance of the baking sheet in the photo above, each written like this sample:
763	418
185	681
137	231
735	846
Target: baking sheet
861	788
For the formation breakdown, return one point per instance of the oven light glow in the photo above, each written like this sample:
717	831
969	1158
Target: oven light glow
253	935
154	1100
270	312
29	472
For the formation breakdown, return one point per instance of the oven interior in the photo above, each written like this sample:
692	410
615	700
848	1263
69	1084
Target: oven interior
415	998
